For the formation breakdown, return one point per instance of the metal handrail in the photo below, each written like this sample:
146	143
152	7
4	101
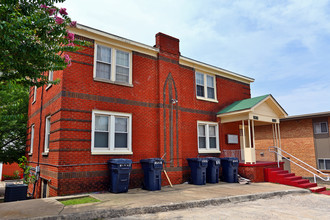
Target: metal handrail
314	174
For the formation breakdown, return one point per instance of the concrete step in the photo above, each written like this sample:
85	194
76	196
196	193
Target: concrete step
326	192
317	189
298	182
307	185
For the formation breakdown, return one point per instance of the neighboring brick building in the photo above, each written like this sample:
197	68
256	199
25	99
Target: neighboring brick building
303	136
124	99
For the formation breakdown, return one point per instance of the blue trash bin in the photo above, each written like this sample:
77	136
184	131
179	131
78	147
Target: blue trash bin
198	170
152	169
120	170
229	167
212	170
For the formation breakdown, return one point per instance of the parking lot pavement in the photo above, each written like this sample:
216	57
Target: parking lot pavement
297	206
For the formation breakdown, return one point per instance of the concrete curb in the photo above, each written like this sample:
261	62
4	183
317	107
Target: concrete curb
116	213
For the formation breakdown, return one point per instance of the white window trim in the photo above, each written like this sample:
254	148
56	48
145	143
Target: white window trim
323	162
111	150
319	123
47	133
205	87
113	66
50	78
31	139
34	94
208	150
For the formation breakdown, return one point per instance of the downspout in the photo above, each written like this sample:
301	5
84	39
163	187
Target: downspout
37	169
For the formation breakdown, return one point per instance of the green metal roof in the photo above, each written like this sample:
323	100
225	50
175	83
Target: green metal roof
243	104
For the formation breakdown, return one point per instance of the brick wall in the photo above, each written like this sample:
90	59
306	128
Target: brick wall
70	165
296	138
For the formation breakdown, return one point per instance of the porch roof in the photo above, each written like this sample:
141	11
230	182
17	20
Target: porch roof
262	109
242	104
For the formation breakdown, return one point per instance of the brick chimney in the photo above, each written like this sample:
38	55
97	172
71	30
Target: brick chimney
168	46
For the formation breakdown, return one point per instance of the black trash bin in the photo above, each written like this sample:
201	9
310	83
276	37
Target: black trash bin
120	170
15	192
212	170
152	169
229	167
198	170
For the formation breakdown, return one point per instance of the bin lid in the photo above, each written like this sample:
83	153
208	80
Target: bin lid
229	158
120	161
213	158
198	159
151	160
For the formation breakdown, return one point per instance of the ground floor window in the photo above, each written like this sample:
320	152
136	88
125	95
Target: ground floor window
324	164
208	137
111	132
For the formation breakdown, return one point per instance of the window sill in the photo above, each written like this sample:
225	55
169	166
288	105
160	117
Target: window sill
209	151
45	154
113	82
30	154
206	99
49	85
111	153
33	102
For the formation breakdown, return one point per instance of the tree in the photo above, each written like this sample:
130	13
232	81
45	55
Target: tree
14	100
33	40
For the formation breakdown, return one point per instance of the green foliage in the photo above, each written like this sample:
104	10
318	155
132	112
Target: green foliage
14	100
15	176
33	40
27	176
77	201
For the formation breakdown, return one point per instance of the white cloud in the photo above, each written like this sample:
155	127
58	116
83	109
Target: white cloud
282	44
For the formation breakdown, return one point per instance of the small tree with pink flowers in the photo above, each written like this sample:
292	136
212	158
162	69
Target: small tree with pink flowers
34	39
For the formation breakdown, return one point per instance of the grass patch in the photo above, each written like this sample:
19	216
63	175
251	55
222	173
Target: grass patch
328	188
77	201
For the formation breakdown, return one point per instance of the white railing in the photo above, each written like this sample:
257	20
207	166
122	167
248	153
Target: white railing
316	172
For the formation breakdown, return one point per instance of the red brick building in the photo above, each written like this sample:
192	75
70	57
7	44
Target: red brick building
124	99
303	136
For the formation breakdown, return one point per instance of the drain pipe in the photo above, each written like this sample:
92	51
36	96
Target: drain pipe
37	169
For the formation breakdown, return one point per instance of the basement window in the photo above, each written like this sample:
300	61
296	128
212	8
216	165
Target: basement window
324	164
321	128
111	133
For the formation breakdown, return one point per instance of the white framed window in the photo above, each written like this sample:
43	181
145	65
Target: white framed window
205	86
208	137
111	132
47	134
31	139
34	94
112	65
321	128
324	164
50	78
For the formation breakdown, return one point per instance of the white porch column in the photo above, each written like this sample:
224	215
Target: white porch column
279	140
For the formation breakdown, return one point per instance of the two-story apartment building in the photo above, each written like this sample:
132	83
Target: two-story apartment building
124	99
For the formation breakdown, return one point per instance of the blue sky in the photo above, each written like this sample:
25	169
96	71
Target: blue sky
284	45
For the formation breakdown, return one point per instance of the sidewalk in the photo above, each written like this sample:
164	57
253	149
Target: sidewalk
138	201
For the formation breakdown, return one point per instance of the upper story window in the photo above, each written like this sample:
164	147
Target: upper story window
205	86
321	128
113	65
50	78
111	133
208	137
34	94
31	139
47	134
